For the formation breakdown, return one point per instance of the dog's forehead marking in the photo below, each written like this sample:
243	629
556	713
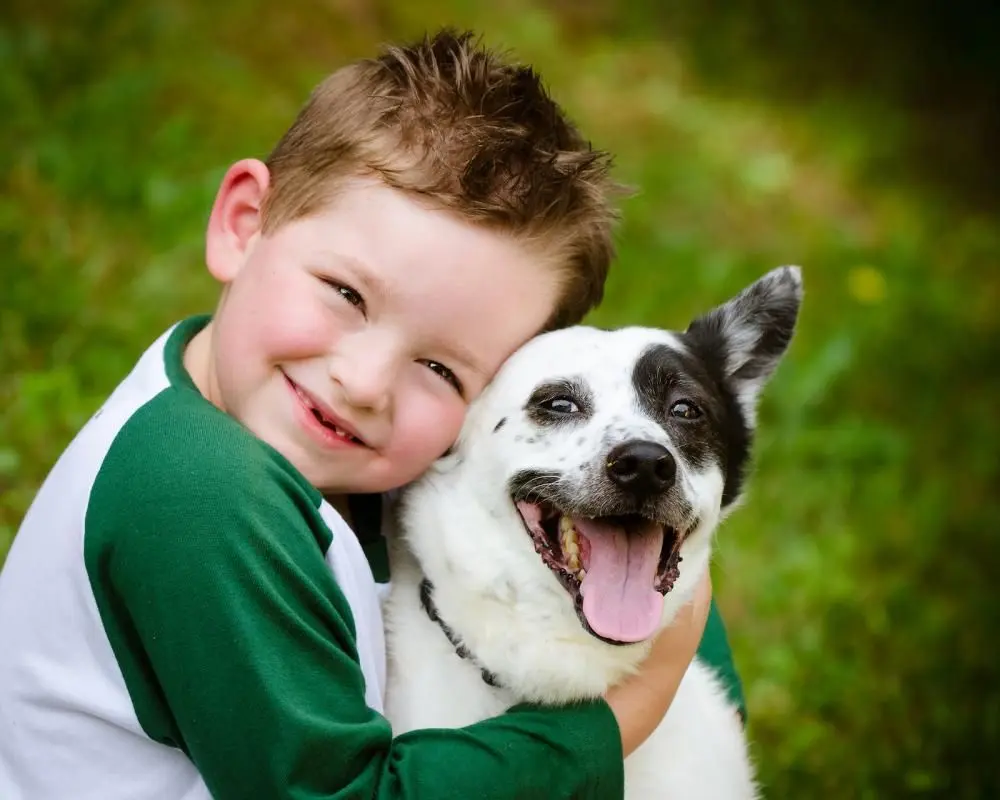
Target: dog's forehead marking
601	359
663	375
660	368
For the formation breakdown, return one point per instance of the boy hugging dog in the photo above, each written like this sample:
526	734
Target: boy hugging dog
189	608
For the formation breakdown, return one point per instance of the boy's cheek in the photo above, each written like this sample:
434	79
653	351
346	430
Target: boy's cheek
302	328
429	436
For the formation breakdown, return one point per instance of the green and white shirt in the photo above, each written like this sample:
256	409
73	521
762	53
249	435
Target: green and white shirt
183	616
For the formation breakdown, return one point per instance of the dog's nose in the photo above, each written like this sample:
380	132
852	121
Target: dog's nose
642	468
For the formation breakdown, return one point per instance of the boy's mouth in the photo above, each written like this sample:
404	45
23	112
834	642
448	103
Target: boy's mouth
323	415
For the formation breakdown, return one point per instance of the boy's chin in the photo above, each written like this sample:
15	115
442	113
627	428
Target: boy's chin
335	474
352	483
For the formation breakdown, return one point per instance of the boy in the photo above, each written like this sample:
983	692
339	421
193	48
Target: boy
185	612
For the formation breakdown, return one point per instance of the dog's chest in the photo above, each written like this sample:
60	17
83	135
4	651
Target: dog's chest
429	684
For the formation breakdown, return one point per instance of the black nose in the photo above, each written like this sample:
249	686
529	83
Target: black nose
642	468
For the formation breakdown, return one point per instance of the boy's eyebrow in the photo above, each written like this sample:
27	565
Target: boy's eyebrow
369	276
375	284
466	359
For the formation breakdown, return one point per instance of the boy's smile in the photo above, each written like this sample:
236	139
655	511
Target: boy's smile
327	426
352	339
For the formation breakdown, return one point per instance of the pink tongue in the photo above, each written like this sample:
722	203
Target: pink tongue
619	600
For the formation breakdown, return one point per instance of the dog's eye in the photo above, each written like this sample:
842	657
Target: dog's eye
560	405
682	409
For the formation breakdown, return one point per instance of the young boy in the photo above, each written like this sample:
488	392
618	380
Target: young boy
185	612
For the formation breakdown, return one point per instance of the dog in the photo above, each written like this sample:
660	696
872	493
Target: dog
575	515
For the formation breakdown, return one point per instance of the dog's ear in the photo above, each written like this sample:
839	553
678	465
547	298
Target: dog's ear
743	340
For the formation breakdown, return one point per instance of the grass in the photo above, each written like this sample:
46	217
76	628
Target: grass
857	581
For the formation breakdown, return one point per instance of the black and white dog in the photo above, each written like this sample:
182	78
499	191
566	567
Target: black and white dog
573	518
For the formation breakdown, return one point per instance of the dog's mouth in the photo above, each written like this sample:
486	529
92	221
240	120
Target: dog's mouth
616	568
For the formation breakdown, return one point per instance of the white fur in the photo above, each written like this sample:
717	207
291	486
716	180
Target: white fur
462	531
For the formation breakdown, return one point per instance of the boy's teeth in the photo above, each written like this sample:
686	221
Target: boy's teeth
327	424
320	416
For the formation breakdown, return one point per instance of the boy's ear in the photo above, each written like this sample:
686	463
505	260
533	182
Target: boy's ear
236	217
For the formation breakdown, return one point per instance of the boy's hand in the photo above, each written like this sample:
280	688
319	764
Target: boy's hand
640	701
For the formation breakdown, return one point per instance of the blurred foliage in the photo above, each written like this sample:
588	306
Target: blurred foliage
857	580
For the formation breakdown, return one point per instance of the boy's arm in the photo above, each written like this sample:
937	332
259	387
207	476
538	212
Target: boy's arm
714	651
238	647
640	701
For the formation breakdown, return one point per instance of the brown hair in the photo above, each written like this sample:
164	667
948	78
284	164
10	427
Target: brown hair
450	121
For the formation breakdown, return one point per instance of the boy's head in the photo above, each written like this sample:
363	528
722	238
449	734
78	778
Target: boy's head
427	214
453	123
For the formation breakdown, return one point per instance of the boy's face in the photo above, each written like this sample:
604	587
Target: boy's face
352	340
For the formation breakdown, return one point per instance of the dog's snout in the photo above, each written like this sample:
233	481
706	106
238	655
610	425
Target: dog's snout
642	468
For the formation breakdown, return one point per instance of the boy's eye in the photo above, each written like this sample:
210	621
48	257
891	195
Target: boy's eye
445	373
350	295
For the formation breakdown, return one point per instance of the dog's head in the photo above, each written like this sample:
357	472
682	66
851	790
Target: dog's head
610	457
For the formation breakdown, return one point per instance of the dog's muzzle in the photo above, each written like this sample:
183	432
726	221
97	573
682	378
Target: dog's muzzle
616	567
641	469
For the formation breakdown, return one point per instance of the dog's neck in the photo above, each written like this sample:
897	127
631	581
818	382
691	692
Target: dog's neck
427	601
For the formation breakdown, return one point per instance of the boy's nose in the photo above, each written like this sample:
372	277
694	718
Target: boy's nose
366	381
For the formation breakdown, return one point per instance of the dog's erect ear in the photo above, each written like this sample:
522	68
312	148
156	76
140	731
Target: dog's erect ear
745	338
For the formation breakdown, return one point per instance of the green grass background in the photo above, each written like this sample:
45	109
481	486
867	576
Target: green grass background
859	579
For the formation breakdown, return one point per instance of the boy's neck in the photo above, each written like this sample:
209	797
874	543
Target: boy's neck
339	502
198	363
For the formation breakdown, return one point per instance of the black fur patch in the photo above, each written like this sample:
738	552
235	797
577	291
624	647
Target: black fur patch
770	307
500	424
663	376
576	391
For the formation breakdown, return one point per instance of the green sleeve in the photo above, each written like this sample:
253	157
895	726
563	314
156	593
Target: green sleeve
714	650
237	646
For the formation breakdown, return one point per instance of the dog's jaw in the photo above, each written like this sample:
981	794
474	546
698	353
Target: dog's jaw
616	569
508	608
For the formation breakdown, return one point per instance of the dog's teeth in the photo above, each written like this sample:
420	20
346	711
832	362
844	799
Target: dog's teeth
570	544
567	536
581	574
